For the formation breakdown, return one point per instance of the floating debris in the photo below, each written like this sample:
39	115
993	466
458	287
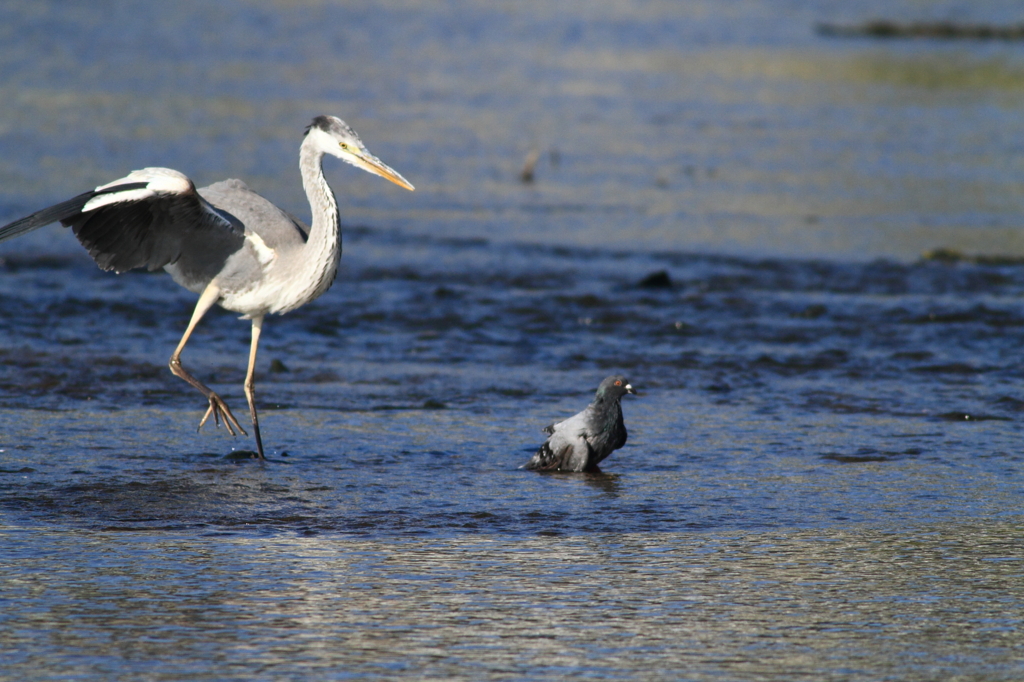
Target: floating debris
968	417
526	175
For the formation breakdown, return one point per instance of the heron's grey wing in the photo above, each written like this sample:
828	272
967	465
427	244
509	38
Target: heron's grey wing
278	229
150	218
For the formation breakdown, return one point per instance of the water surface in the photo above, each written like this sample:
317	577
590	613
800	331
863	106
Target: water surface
823	476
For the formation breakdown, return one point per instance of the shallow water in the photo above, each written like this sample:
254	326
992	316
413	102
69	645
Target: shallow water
823	477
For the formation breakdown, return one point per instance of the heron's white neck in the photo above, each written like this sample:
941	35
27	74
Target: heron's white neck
322	251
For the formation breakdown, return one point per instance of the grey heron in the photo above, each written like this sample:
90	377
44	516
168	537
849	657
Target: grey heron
224	242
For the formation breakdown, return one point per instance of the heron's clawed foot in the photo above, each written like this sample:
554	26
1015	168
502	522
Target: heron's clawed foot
219	409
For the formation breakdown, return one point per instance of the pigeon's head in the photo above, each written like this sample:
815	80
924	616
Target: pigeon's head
615	387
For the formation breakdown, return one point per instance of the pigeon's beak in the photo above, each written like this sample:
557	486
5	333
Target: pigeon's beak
630	389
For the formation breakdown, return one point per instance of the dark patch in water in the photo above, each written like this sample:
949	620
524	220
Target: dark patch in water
938	30
864	455
656	280
969	417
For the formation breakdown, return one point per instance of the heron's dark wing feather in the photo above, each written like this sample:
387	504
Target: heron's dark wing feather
58	212
150	219
153	232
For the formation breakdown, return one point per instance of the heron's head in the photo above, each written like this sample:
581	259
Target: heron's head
333	136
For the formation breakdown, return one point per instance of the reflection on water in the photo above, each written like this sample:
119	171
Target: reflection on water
932	602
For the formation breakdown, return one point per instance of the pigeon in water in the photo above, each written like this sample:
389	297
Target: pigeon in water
580	442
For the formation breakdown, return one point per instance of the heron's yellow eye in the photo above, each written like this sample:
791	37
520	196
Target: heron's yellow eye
344	145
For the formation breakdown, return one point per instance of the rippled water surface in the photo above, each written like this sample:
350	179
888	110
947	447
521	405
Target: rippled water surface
823	474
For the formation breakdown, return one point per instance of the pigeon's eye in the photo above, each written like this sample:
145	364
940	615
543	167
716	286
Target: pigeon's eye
618	383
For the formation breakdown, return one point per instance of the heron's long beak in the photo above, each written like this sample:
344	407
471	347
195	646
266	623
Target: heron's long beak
371	164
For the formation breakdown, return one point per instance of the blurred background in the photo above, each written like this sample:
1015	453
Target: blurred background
718	127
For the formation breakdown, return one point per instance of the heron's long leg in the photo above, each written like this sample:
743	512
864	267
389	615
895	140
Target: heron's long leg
217	406
250	382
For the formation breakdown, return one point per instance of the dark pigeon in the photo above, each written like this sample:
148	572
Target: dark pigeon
581	441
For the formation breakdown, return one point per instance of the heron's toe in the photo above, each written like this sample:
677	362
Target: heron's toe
219	409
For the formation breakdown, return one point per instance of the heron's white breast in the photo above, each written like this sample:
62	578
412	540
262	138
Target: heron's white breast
280	286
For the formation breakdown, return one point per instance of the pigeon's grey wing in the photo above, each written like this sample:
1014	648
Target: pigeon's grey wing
577	456
549	459
575	422
566	449
560	456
